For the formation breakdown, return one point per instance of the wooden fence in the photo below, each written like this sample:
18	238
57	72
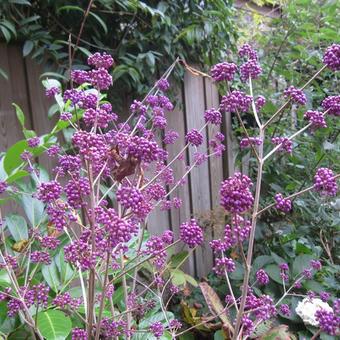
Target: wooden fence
201	193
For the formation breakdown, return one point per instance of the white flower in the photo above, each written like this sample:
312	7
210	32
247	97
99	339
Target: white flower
307	308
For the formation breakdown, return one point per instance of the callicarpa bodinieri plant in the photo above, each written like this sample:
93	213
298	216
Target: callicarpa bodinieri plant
77	271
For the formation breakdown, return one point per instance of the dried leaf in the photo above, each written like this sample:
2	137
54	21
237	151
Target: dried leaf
278	333
215	305
20	246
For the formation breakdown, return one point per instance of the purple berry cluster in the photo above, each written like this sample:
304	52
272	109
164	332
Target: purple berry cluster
316	118
286	145
331	57
157	329
247	142
282	203
3	187
236	101
296	95
328	322
237	231
194	137
235	193
213	116
331	104
260	102
223	71
33	142
224	264
325	183
191	233
262	277
247	51
284	271
263	307
250	69
49	191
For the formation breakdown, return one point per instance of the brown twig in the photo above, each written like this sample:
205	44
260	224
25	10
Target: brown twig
86	14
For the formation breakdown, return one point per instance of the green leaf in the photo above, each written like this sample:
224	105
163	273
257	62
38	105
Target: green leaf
70	7
300	263
34	209
6	33
261	261
191	280
274	272
27	48
5	280
3	74
177	277
51	276
12	158
17	175
277	258
64	268
54	325
84	50
20	114
20	2
17	226
178	258
145	323
100	21
53	74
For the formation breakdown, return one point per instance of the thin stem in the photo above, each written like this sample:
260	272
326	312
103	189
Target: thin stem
251	240
102	299
229	286
125	288
292	196
253	104
288	101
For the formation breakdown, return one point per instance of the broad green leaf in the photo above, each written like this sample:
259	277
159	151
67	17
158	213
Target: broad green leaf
51	276
5	280
12	158
277	258
3	74
300	263
54	325
145	323
17	175
64	268
34	209
261	261
238	273
27	48
17	226
178	258
100	21
177	277
20	114
273	272
191	280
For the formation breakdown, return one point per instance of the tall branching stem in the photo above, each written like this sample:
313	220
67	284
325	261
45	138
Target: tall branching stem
251	237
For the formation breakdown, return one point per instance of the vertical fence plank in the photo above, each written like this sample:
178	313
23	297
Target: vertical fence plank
176	121
10	129
158	220
215	164
199	177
